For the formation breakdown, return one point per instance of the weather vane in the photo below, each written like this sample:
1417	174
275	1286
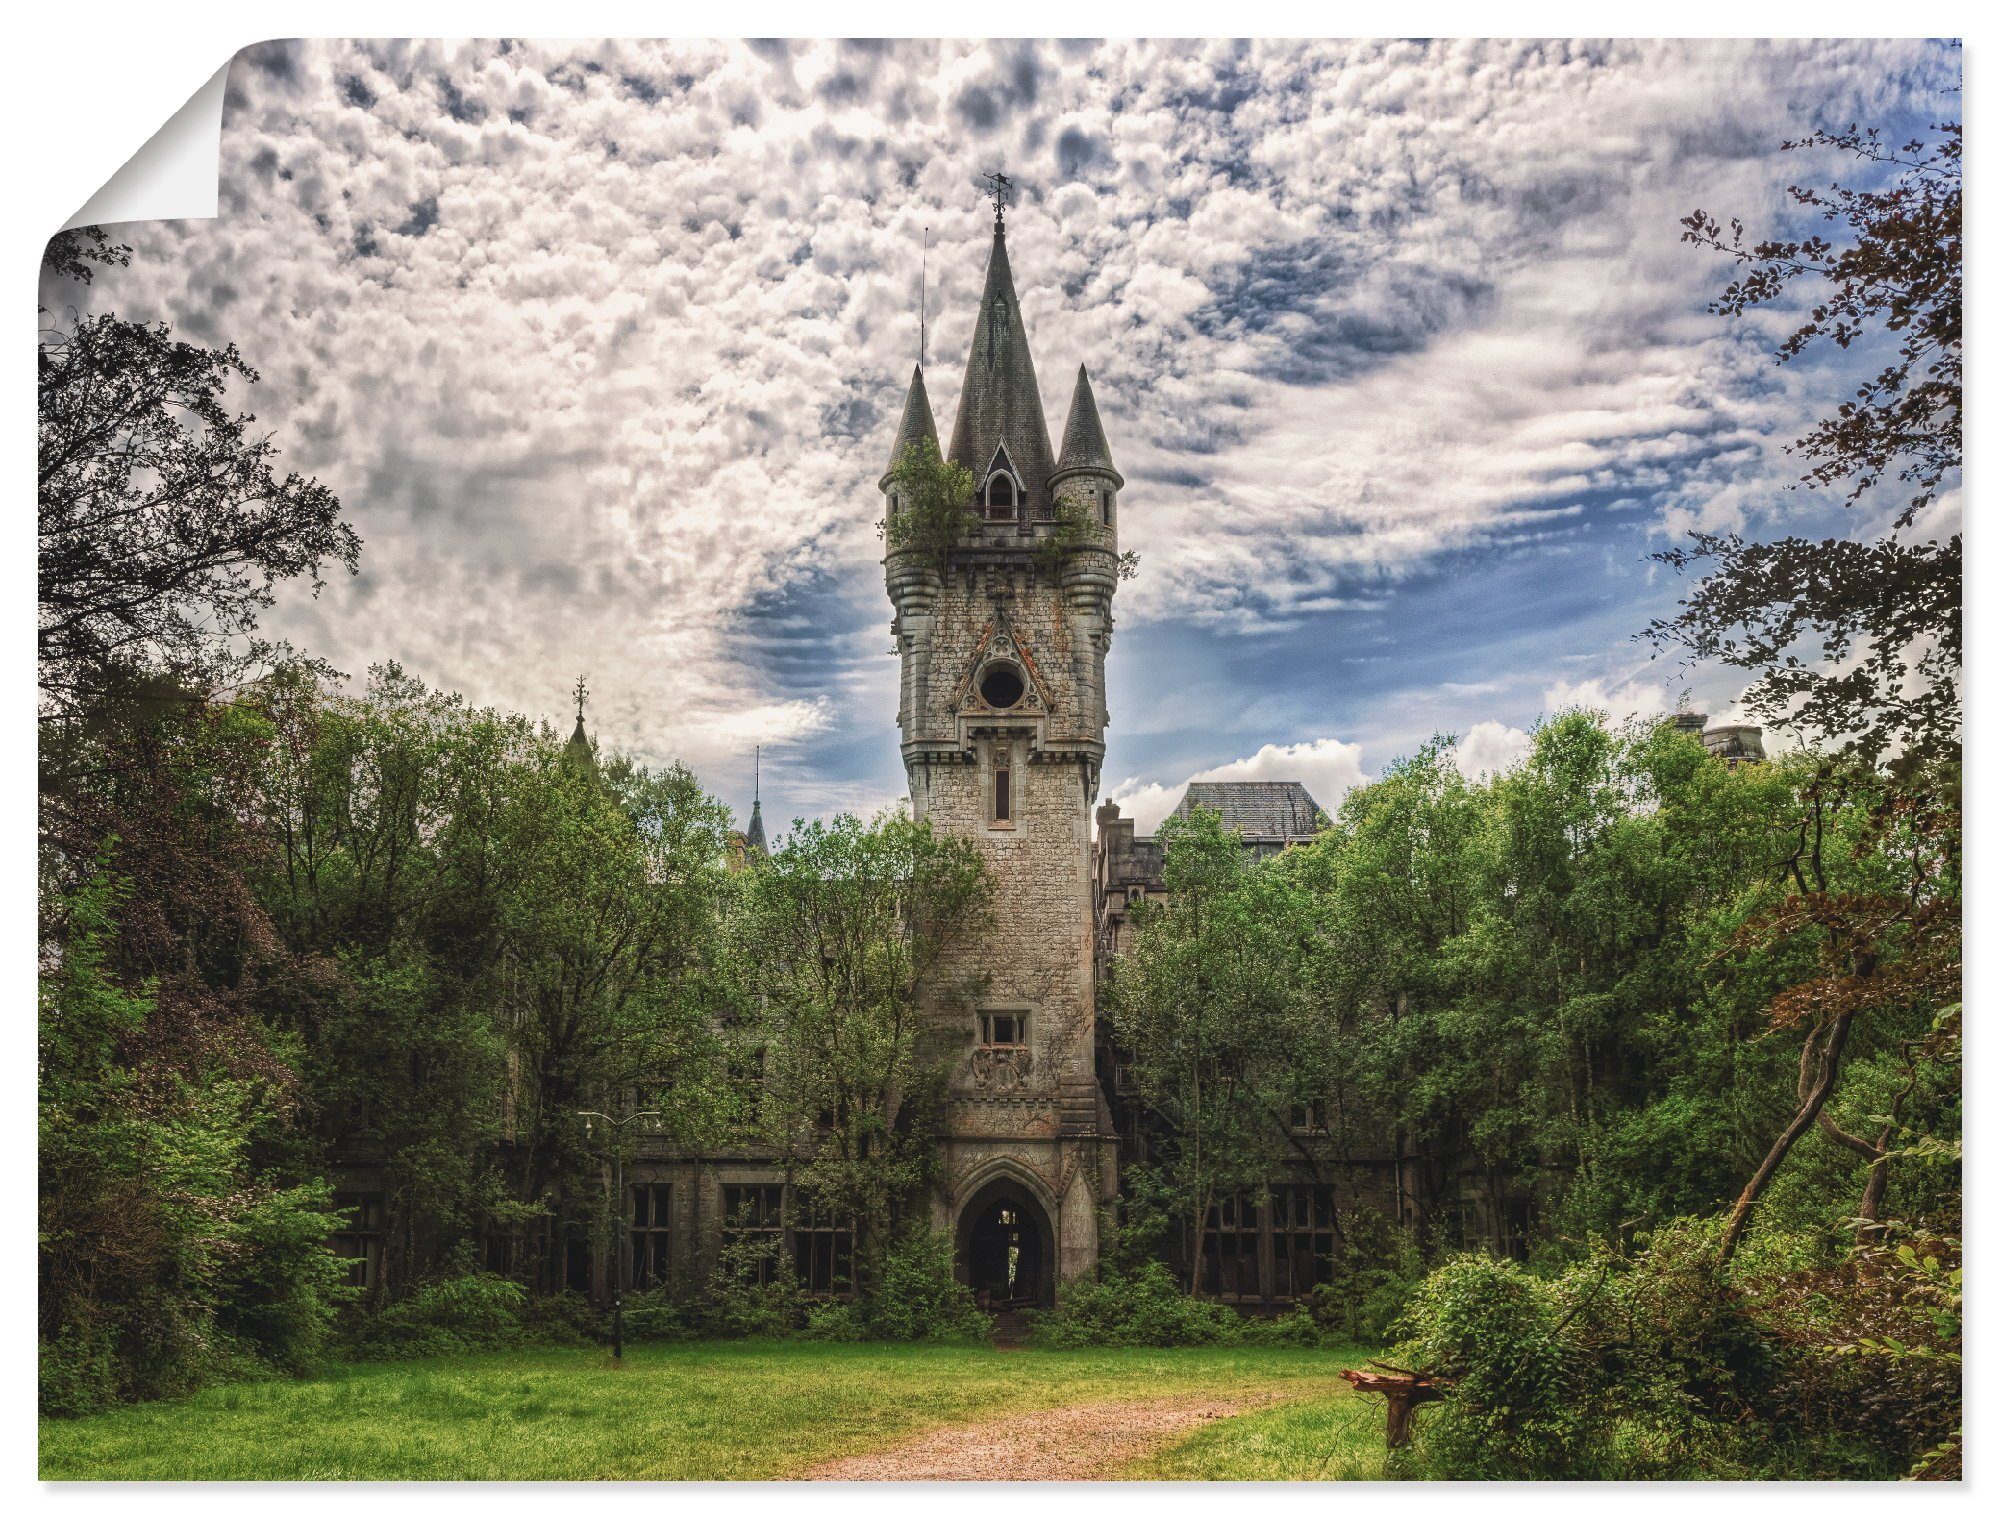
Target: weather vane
1001	186
582	691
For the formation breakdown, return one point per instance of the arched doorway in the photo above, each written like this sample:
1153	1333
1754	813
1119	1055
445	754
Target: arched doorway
1006	1249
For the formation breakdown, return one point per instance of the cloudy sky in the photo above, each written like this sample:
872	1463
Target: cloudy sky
603	346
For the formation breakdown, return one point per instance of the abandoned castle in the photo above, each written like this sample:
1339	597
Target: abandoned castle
1002	719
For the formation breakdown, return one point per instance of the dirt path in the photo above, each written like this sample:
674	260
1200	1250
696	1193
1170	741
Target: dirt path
1078	1444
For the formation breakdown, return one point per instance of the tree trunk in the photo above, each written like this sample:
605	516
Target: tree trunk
1815	1086
1403	1391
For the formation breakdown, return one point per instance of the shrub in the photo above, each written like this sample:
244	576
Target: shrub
78	1370
280	1284
840	1321
1518	1405
448	1315
1296	1326
654	1315
1368	1279
1142	1305
919	1296
753	1293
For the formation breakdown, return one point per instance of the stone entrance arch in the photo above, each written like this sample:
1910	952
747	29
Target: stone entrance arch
1007	1246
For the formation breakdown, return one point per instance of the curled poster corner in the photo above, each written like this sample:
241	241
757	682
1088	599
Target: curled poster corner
174	174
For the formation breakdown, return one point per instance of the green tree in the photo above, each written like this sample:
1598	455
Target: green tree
1859	642
851	943
162	526
1208	1003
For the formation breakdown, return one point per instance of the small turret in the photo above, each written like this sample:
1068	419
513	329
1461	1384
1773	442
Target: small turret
1735	743
578	752
753	838
1086	464
918	423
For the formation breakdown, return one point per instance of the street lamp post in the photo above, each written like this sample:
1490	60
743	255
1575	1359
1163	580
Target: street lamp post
617	1126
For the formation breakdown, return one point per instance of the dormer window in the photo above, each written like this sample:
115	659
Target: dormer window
1002	499
1002	496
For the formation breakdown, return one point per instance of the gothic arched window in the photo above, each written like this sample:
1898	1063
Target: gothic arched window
1002	497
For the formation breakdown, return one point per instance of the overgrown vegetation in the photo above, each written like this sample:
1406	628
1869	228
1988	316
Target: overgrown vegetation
846	939
1074	530
1632	1079
1616	986
933	511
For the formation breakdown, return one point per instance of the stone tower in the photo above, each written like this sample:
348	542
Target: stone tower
1002	716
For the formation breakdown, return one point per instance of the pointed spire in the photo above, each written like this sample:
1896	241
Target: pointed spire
578	750
753	838
917	420
1083	445
1001	403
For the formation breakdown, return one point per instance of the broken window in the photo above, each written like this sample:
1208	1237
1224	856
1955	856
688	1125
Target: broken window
1301	1238
1003	788
649	1232
360	1242
756	1213
822	1248
1229	1251
1003	1030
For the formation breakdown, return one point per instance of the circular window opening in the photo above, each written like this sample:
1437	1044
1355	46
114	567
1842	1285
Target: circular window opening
1001	686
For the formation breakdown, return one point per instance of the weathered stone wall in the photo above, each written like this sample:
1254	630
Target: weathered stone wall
1038	1118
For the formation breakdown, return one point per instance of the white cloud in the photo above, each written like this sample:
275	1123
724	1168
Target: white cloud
1326	767
1617	699
1487	748
601	344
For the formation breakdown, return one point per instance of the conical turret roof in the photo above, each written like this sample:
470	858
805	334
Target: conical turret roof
1001	404
577	752
1083	444
917	421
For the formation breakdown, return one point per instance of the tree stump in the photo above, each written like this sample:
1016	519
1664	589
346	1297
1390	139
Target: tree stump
1401	1390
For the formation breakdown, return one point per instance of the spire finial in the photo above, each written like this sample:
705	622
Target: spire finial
924	303
757	775
1001	186
582	694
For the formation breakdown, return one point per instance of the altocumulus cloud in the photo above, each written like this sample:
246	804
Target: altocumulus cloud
601	344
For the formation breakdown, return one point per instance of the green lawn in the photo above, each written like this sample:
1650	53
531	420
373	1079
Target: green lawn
1336	1438
704	1412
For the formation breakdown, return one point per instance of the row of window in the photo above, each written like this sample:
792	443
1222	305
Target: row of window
1256	1252
820	1246
1253	1250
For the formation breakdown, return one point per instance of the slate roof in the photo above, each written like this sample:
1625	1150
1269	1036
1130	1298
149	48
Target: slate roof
917	420
578	751
1083	444
753	839
1257	809
1001	403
